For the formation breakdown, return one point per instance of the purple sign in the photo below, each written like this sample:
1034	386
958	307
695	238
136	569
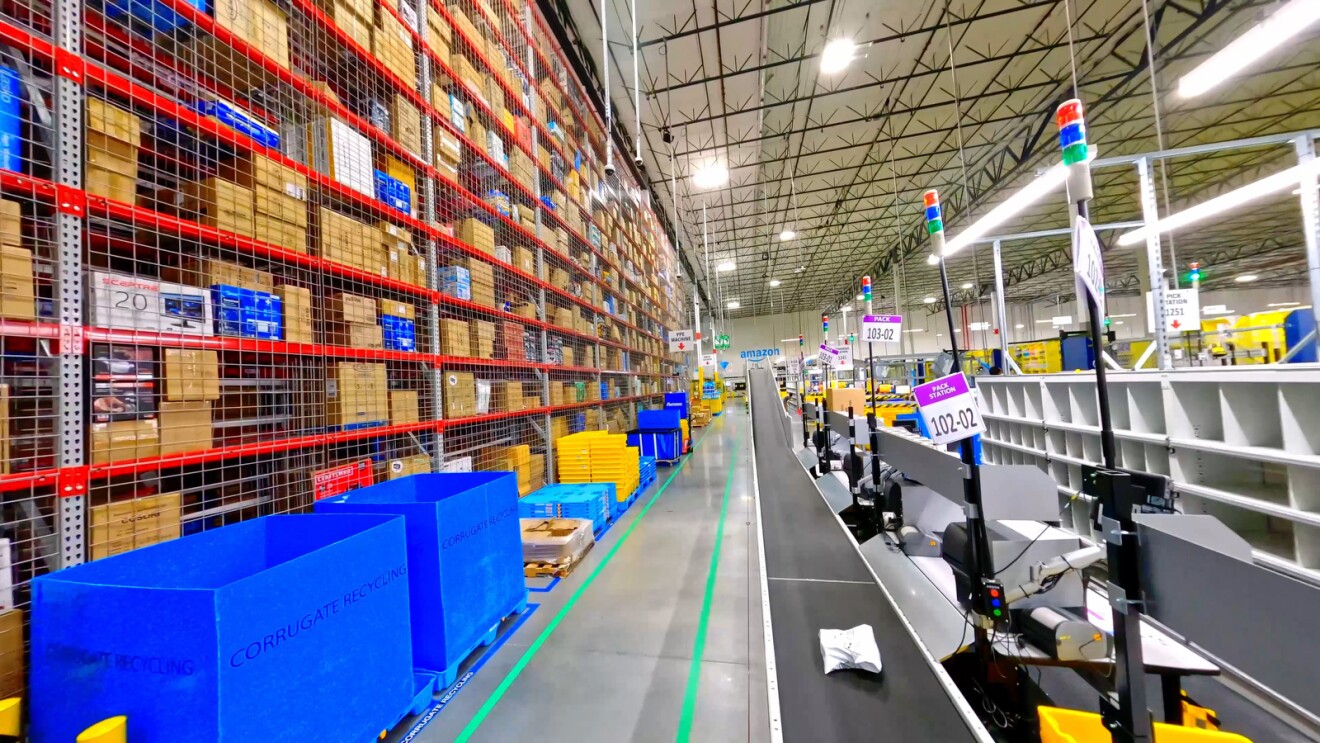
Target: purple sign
940	389
883	318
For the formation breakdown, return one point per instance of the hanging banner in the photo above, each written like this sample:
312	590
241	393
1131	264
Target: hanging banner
949	407
882	328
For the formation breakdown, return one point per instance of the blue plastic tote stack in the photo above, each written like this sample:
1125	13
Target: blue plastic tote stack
465	566
677	401
284	628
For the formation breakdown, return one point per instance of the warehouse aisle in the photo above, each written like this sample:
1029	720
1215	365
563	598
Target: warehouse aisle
608	654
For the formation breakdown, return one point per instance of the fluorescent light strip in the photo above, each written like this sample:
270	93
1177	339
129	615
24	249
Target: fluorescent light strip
1261	39
1025	197
1231	200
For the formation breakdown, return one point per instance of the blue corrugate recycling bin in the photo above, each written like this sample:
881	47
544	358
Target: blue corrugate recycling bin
677	401
464	557
664	445
284	628
659	420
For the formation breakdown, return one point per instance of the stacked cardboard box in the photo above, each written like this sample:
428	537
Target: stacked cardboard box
12	670
125	525
482	336
399	323
460	394
482	277
118	440
478	234
353	16
279	199
391	43
348	241
419	464
221	204
516	459
508	397
192	384
298	323
357	395
448	148
352	322
17	293
400	262
439	36
404	407
406	123
207	272
113	138
259	23
455	337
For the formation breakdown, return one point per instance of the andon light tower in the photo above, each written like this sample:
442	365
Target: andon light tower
1127	717
980	562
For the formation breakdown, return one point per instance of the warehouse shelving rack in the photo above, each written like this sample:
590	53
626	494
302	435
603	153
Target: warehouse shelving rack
1238	443
580	292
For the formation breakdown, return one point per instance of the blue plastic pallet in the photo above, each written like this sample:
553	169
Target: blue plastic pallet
589	501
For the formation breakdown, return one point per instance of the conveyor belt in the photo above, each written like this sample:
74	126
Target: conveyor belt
818	580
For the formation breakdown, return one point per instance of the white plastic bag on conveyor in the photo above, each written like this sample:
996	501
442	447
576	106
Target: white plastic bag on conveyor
850	648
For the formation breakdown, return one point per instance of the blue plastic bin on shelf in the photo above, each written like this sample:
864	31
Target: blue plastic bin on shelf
677	401
664	445
659	420
283	628
465	566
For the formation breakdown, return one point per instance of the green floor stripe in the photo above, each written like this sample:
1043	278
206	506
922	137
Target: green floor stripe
550	628
699	644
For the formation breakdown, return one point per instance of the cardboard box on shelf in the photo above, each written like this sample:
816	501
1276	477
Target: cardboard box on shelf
460	394
455	337
406	123
355	335
259	23
116	441
418	464
112	139
121	526
531	395
482	335
220	204
357	395
342	153
298	323
207	272
254	171
11	224
350	308
185	427
17	292
396	308
507	397
191	374
391	43
12	669
342	239
404	407
478	234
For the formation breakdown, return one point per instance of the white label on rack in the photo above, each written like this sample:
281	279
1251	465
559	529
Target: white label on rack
882	328
949	408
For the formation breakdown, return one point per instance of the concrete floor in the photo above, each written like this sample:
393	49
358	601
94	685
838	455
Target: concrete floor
614	662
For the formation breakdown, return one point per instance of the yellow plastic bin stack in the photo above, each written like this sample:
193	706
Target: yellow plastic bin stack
598	456
687	434
1071	726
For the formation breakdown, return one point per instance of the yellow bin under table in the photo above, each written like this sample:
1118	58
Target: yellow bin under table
1059	725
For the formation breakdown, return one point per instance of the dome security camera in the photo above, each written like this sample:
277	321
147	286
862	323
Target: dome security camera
609	169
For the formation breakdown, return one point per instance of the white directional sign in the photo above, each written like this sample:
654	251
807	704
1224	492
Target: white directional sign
681	341
882	328
1088	264
845	359
1182	310
709	360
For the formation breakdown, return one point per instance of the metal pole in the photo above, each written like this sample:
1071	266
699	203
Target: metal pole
1310	219
1000	309
1101	383
1155	262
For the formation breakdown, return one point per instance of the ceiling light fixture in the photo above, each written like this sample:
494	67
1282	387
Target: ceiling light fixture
836	55
861	297
929	300
846	308
1010	207
787	235
1129	314
1245	278
733	304
711	175
1118	322
932	260
915	330
1230	200
1019	326
1261	39
799	269
979	326
774	283
968	285
726	267
1283	304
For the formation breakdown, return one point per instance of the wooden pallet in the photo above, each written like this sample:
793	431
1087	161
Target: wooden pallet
554	569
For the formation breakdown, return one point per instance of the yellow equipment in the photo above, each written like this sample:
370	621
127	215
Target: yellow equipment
11	717
1059	725
113	730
